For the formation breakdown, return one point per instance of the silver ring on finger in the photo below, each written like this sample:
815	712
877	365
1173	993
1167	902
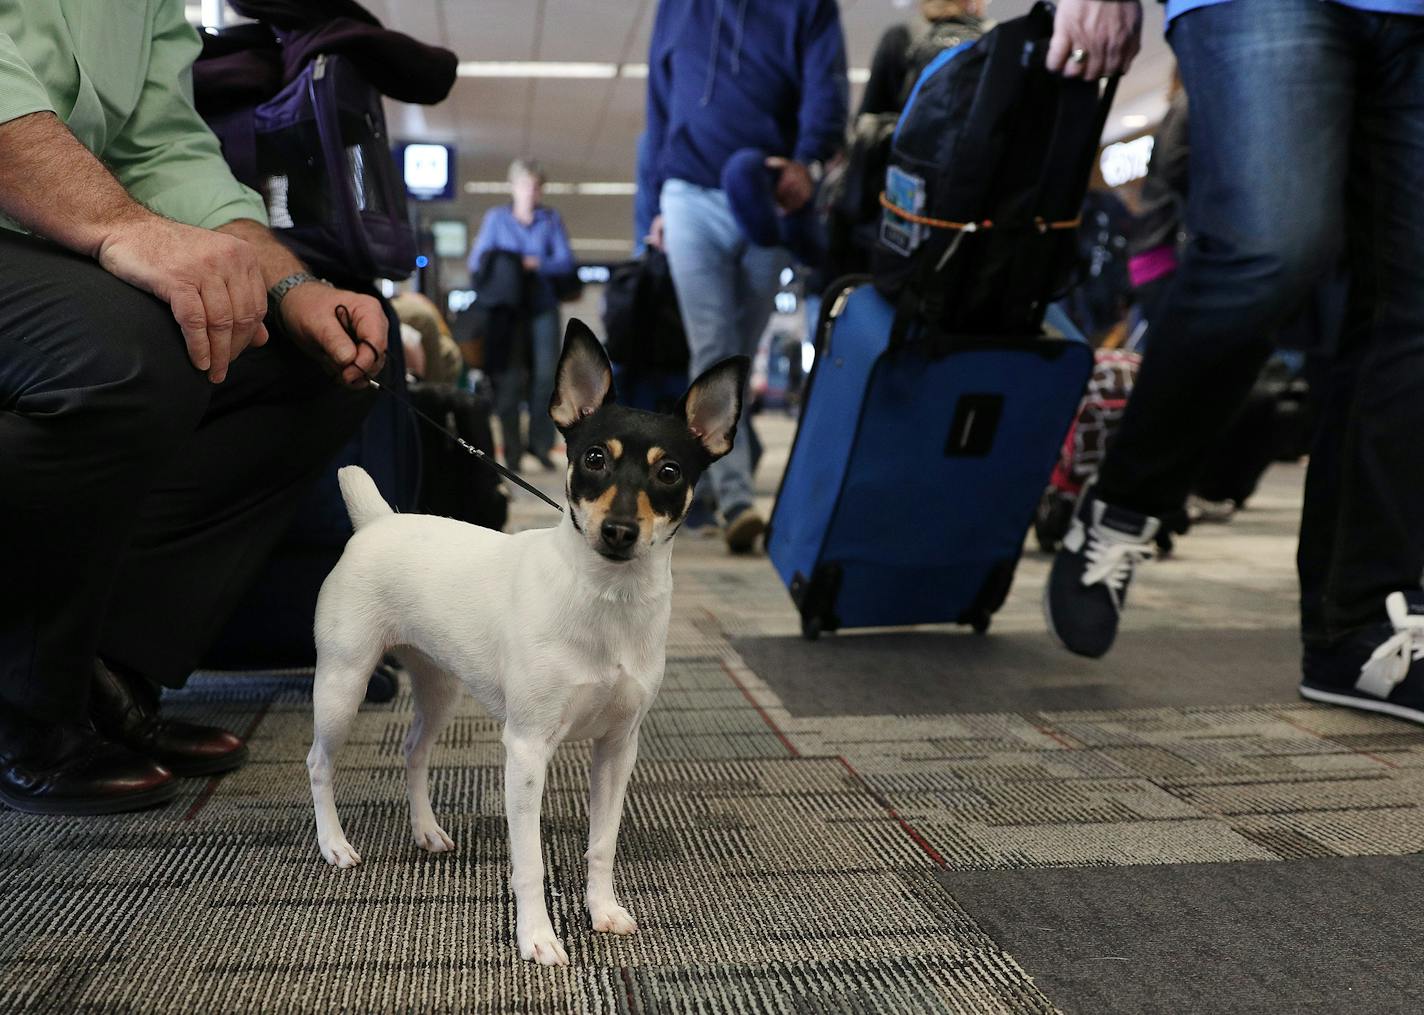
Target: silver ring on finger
1078	56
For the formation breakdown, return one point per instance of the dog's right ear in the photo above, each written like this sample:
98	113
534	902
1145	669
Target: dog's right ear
584	378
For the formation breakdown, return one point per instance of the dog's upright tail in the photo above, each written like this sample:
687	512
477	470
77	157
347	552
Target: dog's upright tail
364	502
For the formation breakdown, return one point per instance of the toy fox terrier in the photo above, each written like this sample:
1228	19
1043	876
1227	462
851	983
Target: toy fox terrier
561	633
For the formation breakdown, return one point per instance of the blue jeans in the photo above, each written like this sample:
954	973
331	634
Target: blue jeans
1307	143
726	288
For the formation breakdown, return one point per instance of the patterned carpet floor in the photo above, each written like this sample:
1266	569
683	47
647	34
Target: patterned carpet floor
824	857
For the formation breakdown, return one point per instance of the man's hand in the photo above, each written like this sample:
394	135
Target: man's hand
211	282
309	310
794	187
531	263
309	315
654	238
1109	32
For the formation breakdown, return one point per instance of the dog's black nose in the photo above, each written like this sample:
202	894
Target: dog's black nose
619	535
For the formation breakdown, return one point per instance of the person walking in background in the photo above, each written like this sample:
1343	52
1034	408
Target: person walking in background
1307	127
725	76
903	51
528	228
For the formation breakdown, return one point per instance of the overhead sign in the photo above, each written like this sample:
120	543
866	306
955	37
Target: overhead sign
429	171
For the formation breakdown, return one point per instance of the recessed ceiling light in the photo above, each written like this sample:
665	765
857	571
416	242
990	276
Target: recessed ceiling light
535	69
591	188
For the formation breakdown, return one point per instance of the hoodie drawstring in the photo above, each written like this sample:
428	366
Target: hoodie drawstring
712	56
737	27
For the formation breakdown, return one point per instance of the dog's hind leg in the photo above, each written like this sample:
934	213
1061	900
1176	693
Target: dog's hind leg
436	693
526	759
336	695
613	758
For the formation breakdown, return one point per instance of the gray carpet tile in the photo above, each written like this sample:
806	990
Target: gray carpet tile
786	833
1313	935
938	671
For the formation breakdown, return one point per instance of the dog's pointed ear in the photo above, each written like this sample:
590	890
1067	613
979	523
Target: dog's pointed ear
583	380
713	404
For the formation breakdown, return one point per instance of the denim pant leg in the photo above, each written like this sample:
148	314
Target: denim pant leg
705	251
1362	533
1266	213
544	356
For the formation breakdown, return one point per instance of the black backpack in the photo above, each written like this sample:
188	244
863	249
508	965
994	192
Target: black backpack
641	316
989	164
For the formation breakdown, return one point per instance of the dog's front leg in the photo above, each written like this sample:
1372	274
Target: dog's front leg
525	761
613	758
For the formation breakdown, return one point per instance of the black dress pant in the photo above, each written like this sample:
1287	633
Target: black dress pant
137	500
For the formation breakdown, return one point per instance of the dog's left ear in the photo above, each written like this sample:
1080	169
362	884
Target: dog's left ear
713	404
584	378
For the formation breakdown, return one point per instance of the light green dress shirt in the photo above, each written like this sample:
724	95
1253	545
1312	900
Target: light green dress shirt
120	74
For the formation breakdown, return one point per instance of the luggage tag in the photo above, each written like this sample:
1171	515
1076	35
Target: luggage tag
907	192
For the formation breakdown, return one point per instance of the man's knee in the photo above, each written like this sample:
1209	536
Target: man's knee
123	363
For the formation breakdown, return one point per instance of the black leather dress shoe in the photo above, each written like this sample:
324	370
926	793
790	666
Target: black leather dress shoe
53	769
125	709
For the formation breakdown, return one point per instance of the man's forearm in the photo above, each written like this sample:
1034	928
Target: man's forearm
275	261
54	186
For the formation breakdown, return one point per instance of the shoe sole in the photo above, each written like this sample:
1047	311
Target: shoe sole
213	766
743	533
1413	715
75	808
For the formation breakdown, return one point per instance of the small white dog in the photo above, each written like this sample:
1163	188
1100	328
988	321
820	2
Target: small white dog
560	632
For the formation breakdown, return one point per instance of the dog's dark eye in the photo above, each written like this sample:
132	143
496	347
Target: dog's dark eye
594	459
669	473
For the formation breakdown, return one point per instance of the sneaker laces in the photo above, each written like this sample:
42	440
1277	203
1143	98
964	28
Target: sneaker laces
1389	663
1112	561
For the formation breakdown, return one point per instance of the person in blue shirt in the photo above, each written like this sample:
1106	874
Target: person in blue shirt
727	75
536	232
1307	139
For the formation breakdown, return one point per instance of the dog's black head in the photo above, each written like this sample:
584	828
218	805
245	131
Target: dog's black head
631	473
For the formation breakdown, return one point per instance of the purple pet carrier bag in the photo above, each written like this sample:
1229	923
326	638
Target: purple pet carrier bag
318	153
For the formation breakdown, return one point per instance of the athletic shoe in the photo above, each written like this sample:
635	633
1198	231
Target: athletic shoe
1087	587
743	527
1199	509
1380	669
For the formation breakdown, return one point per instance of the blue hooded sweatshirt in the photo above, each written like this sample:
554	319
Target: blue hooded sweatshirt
730	74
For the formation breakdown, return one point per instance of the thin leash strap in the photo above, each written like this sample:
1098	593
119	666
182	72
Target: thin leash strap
344	317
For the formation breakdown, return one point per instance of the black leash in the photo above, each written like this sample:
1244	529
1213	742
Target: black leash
343	316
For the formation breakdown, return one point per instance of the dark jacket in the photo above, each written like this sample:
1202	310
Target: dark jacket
394	63
900	56
730	74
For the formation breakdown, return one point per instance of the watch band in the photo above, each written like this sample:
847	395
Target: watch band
286	285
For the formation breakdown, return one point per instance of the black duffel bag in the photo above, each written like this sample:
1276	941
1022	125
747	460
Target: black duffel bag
989	165
641	317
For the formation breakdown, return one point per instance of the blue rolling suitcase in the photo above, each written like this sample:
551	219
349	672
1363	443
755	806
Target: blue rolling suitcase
917	467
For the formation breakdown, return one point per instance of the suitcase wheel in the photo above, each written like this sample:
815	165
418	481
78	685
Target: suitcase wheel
810	628
980	623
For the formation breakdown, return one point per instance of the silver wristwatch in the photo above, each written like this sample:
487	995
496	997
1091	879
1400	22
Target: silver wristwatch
286	285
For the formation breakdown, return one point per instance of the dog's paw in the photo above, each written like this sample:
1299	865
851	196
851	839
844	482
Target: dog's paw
612	918
339	853
544	947
432	838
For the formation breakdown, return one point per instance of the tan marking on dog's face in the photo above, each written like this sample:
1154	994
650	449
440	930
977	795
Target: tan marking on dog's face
687	501
654	453
591	514
646	517
615	447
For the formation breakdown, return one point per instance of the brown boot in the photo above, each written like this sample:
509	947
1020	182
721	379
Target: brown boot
125	709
